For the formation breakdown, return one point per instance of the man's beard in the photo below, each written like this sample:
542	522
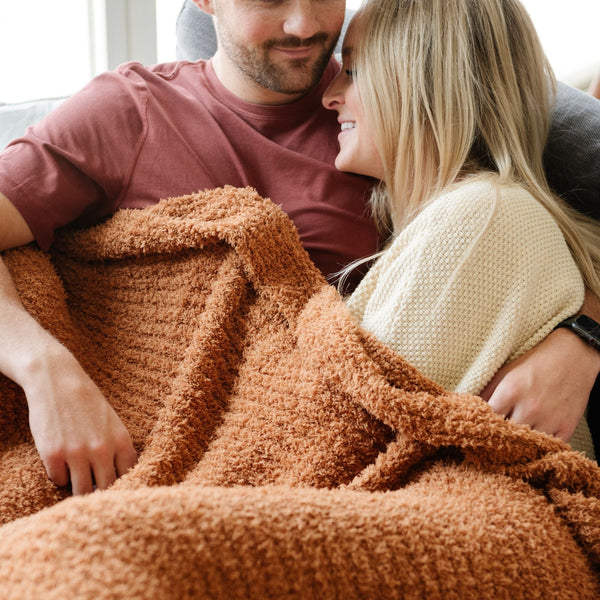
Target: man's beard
297	76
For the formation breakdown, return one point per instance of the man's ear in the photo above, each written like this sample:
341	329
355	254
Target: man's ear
205	5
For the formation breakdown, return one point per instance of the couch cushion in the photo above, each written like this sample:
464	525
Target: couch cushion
573	148
15	118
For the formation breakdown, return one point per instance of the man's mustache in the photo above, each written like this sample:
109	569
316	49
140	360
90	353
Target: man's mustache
295	42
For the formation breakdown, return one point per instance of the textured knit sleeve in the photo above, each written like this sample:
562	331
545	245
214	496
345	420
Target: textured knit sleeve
479	277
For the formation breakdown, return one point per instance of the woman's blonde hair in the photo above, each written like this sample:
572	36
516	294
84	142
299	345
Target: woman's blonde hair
454	88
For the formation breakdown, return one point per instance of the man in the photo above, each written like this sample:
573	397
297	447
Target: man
252	116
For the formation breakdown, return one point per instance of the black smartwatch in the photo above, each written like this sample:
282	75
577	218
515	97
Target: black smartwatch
585	327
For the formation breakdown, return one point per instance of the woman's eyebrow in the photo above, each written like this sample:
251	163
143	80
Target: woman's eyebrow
347	51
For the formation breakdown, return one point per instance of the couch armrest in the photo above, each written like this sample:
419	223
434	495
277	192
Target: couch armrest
15	118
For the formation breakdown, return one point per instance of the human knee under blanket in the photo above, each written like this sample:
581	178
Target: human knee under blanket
279	443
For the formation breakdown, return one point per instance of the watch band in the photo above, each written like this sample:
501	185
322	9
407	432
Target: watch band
585	327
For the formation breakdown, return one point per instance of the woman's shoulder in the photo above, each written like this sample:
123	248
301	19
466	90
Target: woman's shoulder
486	199
483	190
482	217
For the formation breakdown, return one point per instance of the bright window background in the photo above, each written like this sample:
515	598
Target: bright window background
167	12
568	30
44	48
51	48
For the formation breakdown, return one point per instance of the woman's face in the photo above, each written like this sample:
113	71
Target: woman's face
357	151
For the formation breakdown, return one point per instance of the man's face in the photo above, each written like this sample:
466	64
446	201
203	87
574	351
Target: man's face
274	51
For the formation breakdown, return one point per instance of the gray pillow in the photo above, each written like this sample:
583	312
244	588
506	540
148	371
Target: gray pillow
572	155
196	36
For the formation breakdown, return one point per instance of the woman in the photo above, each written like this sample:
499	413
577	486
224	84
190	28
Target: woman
447	104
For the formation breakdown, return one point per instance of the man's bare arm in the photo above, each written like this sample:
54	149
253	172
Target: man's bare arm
14	230
77	433
549	386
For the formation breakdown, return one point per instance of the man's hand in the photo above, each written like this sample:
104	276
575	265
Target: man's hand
77	433
549	386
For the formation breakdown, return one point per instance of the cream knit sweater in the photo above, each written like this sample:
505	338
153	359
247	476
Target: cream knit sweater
479	277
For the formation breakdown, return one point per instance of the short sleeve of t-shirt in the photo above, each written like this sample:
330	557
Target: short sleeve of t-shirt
52	174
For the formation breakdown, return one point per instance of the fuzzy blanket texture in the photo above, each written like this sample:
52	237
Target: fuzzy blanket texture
284	451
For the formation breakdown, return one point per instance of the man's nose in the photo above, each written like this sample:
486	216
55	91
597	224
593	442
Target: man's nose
301	20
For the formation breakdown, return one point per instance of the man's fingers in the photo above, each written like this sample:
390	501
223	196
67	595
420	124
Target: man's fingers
502	403
565	432
112	466
86	474
125	460
104	473
81	478
57	471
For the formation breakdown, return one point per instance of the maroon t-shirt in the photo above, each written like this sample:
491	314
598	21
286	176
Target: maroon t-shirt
137	134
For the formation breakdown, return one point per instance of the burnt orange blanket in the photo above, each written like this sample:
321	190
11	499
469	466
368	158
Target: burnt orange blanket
284	452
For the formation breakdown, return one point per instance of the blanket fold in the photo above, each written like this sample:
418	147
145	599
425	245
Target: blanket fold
284	452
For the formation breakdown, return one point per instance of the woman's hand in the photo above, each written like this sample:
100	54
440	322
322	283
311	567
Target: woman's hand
548	387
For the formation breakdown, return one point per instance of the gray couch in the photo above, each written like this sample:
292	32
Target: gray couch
14	118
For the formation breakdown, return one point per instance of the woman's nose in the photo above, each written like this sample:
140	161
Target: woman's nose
334	96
